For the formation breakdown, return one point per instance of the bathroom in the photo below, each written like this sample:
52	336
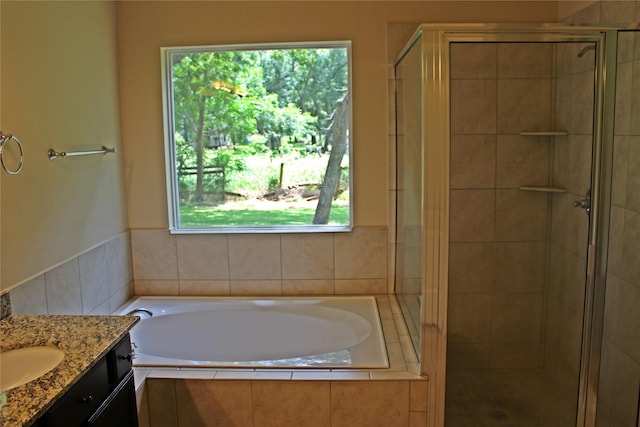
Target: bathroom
62	220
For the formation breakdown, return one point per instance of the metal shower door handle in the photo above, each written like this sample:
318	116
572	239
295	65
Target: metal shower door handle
584	203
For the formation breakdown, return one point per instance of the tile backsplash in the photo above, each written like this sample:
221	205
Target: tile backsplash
97	281
260	264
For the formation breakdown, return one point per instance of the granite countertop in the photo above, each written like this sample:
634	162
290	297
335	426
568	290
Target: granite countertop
84	340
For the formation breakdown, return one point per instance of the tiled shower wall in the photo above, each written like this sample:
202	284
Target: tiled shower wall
97	281
620	359
571	154
261	264
498	232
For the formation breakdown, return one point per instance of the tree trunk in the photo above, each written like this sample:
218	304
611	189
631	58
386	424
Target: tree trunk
200	153
338	138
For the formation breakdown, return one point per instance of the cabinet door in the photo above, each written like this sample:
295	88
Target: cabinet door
120	360
82	399
119	410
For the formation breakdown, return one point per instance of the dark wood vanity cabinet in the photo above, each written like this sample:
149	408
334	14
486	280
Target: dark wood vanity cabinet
104	396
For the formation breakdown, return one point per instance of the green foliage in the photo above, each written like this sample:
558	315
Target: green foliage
194	215
239	114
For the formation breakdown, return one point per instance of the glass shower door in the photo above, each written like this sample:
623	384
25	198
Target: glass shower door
521	143
409	192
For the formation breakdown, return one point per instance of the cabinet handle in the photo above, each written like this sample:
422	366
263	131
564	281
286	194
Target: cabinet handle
128	357
87	400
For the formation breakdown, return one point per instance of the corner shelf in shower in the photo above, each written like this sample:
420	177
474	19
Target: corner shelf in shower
543	188
545	133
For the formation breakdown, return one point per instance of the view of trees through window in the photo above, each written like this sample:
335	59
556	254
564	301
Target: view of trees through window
259	136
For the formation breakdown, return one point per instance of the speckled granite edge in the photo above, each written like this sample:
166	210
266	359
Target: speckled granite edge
84	339
5	305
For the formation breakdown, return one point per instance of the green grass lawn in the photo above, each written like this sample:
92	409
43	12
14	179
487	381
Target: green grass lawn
205	216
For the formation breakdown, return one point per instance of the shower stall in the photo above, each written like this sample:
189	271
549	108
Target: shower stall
504	157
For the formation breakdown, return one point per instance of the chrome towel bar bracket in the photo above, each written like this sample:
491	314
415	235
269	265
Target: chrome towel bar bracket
53	154
5	139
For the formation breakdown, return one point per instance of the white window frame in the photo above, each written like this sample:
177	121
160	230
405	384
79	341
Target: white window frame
173	197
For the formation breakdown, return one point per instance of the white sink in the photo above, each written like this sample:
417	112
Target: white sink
22	365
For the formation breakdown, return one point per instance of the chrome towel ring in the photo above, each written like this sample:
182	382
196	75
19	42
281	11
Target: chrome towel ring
4	139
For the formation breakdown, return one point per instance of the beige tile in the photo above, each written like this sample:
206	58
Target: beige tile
564	332
525	60
254	257
202	257
30	297
588	14
623	98
469	318
634	126
371	404
621	318
162	403
569	225
473	60
308	287
253	375
93	278
255	287
521	215
119	298
64	295
100	309
473	106
617	11
564	54
418	419
619	378
214	403
315	375
156	287
619	174
307	256
471	267
616	241
300	403
562	119
517	318
473	161
521	355
472	215
142	403
631	247
119	269
523	105
582	105
154	255
520	267
361	287
467	356
633	174
522	161
419	396
361	254
579	164
204	287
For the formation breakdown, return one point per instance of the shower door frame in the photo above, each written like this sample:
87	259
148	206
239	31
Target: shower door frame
435	41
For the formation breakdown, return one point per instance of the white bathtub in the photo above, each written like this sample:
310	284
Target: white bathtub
331	332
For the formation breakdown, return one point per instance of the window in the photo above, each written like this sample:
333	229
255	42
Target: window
258	137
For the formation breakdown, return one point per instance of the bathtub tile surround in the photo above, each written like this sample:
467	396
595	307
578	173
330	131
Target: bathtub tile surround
396	396
274	264
97	281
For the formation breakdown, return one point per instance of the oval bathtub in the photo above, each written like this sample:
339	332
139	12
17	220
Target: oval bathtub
331	332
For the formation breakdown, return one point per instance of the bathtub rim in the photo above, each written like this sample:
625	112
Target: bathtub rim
153	362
